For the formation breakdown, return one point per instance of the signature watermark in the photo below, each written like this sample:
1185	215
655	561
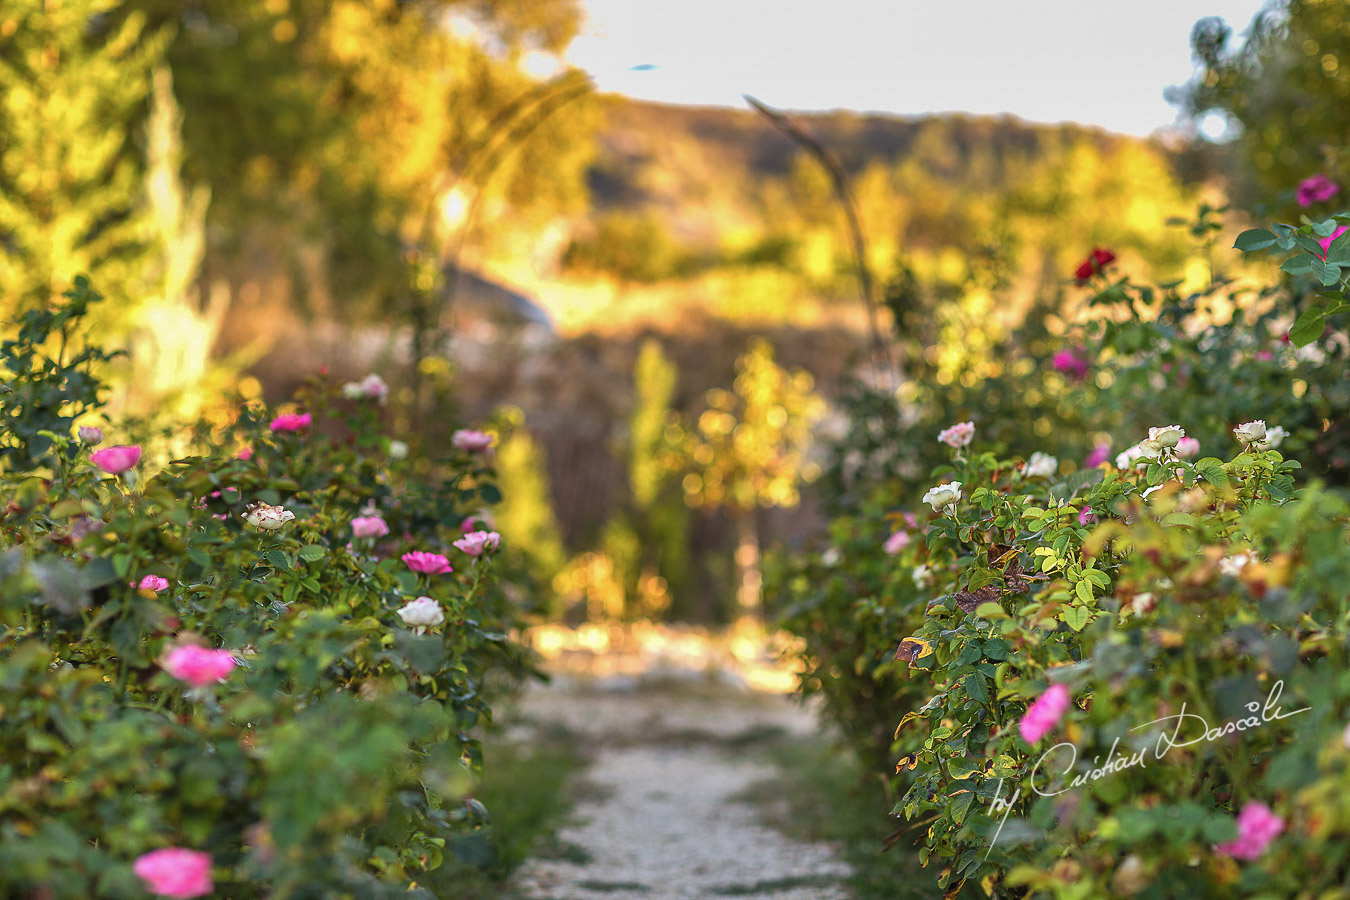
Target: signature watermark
1197	731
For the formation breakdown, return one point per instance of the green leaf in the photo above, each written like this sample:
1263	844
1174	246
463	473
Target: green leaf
1309	327
1297	265
990	610
976	688
98	573
1084	591
1211	470
312	552
279	560
1254	239
1076	617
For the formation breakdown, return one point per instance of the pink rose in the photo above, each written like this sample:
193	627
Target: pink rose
291	422
1073	363
1326	241
369	527
153	583
116	460
1085	516
471	441
427	563
1257	827
896	542
175	872
198	666
1316	189
91	434
244	454
958	436
1043	715
476	543
1100	454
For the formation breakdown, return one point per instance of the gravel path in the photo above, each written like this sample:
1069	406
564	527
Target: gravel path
661	816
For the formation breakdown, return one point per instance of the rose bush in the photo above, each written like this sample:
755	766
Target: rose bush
198	659
1112	679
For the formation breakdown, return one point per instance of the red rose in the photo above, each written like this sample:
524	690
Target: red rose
1096	263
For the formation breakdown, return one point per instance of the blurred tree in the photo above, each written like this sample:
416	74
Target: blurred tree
1284	90
654	462
525	517
749	450
350	121
73	90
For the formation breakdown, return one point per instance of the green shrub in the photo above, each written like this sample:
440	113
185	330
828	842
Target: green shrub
337	757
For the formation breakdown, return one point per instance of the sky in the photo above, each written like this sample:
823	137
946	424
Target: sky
1098	62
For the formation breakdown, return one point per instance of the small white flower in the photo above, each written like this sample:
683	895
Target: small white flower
268	518
352	391
923	575
1251	433
1041	465
1275	436
91	434
943	496
398	450
1232	566
959	435
1142	603
422	612
831	557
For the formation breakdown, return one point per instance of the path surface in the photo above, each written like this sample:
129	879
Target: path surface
662	815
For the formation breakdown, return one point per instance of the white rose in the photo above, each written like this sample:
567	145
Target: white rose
1166	436
1149	449
374	388
831	557
422	612
1251	433
1142	603
268	518
1232	566
944	495
1275	436
923	576
1041	465
352	391
398	450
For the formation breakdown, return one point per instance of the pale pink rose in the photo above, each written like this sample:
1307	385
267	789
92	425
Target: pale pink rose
1044	714
1188	447
423	612
116	460
369	527
245	454
471	441
959	435
291	422
198	666
476	543
896	542
372	387
477	522
427	563
153	583
1257	827
91	434
175	872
